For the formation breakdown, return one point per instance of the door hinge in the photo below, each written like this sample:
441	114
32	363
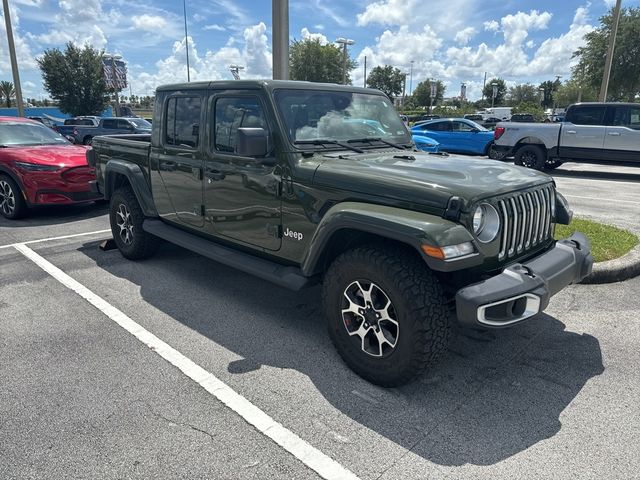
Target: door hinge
274	230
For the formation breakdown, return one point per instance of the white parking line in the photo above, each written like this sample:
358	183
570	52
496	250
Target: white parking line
313	458
630	202
54	238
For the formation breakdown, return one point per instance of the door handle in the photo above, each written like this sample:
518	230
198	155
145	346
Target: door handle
215	174
570	132
614	134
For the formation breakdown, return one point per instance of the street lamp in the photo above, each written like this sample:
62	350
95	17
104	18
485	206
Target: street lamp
186	37
494	92
433	93
410	77
404	85
344	42
235	71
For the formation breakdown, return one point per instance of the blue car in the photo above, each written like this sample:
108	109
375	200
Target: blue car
426	144
457	135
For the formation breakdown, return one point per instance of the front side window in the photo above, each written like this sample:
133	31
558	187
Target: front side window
232	113
339	116
439	126
587	115
109	123
123	125
182	126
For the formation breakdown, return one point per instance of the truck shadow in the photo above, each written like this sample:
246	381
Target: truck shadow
495	394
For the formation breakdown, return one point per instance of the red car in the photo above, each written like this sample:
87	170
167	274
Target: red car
40	167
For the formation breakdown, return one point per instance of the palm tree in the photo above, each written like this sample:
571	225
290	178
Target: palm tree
7	91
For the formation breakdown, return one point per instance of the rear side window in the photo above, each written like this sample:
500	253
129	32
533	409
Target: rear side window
182	126
626	116
232	113
587	115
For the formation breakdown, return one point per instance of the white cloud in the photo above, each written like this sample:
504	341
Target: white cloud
150	23
387	12
254	55
26	58
464	36
214	26
491	26
319	27
307	35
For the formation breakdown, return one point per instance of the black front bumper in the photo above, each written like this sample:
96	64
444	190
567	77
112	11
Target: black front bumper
522	290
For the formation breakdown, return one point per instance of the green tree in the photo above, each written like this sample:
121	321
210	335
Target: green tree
624	84
7	92
573	91
74	78
387	79
422	93
549	89
533	108
525	93
310	60
500	94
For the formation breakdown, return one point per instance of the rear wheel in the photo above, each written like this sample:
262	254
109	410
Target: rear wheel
386	314
552	164
12	203
126	218
494	154
531	156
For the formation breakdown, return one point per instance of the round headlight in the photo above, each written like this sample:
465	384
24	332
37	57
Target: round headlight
486	223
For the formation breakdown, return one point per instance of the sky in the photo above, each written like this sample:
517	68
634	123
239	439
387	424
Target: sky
454	41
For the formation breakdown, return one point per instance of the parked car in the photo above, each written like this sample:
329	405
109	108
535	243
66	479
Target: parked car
111	126
458	135
523	118
426	144
605	133
40	167
490	122
284	187
44	120
474	117
69	125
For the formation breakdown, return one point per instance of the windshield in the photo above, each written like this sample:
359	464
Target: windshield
339	116
477	125
21	133
140	122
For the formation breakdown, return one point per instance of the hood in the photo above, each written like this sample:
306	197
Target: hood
427	179
63	155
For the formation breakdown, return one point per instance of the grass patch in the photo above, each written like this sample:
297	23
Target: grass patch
607	242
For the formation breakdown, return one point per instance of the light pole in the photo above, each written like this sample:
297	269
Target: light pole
494	92
186	37
541	90
612	44
410	77
404	86
235	71
344	42
14	61
433	93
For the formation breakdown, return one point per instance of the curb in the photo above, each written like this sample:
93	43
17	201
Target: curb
616	270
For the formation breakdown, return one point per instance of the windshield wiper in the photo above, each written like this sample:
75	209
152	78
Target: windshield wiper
320	141
377	139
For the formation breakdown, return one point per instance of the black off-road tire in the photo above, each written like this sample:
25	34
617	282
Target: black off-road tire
419	305
531	156
12	203
138	244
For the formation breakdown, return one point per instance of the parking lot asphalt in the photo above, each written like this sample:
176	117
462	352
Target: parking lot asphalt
83	398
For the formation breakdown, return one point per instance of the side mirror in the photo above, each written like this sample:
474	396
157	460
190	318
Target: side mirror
252	142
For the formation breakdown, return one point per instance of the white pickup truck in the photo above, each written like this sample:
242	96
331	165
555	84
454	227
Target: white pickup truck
606	133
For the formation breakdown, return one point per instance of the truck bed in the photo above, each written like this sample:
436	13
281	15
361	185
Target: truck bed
133	148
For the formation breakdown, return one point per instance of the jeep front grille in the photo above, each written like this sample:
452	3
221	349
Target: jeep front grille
526	221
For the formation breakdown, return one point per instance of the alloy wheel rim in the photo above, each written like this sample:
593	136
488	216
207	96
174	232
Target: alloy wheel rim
125	224
370	319
7	198
528	159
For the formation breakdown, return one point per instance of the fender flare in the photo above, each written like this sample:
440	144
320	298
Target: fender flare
409	227
136	179
7	171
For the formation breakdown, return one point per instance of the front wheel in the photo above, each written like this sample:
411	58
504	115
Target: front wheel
126	218
552	164
386	314
12	203
531	156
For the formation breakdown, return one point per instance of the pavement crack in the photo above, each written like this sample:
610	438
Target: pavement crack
179	424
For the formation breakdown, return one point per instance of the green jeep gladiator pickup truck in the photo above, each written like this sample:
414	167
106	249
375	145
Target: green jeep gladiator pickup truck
299	183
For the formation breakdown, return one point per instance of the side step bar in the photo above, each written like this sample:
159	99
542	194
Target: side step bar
285	276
